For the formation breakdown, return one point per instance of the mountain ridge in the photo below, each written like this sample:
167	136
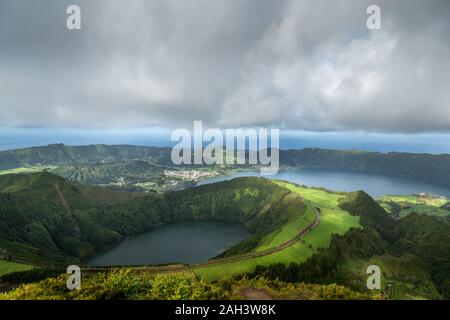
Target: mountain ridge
46	218
423	167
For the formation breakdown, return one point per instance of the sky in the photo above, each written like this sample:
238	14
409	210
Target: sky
309	67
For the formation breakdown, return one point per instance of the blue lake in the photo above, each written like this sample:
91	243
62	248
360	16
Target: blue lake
375	185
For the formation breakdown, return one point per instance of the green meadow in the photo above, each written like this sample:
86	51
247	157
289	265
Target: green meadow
333	220
9	267
405	205
287	232
296	253
25	170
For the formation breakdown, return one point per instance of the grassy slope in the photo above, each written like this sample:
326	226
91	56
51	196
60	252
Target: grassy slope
287	232
333	220
9	267
25	170
432	206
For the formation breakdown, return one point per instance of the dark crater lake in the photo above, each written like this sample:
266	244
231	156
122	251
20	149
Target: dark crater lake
187	242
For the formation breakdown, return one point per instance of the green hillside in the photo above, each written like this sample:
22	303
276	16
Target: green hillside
413	254
333	220
104	173
44	218
401	206
49	220
300	235
60	154
135	175
10	267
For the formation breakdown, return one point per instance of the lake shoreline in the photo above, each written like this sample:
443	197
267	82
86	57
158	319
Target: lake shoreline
235	227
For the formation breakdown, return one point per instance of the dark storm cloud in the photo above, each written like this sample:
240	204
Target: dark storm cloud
309	65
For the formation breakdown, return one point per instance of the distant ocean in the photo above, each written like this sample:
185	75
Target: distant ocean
11	138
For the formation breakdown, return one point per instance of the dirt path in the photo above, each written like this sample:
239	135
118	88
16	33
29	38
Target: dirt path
256	294
285	245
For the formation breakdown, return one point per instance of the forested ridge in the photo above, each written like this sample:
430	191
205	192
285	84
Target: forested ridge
60	154
428	168
413	252
49	220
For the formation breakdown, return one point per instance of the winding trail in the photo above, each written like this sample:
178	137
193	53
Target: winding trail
210	263
266	252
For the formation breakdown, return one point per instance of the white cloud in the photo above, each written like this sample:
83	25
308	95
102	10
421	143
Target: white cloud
298	64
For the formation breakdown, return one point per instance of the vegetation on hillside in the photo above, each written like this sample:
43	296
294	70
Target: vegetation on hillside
49	220
135	175
413	253
333	220
427	204
60	154
7	267
124	284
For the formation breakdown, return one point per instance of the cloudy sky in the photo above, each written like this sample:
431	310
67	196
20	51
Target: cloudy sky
308	65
